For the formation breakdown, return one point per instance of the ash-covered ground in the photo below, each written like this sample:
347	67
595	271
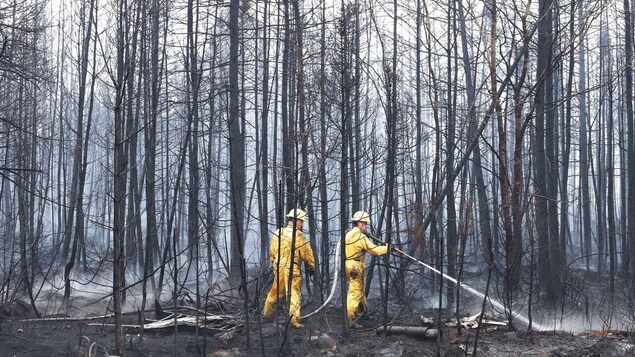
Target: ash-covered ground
587	324
59	338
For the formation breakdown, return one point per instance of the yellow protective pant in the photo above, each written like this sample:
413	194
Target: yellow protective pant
356	299
278	290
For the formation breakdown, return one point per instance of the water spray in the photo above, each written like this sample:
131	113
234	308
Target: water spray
519	318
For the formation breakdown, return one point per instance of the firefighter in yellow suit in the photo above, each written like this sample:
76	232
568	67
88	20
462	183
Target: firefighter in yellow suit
280	255
357	244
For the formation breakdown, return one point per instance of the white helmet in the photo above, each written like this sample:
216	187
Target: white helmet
361	216
297	214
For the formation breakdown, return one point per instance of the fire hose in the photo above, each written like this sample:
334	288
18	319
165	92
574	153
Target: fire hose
333	286
445	276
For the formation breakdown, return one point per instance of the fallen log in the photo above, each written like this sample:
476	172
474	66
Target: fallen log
412	331
76	319
472	322
213	322
69	319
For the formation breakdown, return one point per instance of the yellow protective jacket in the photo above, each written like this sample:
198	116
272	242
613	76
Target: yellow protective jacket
280	249
357	244
280	255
